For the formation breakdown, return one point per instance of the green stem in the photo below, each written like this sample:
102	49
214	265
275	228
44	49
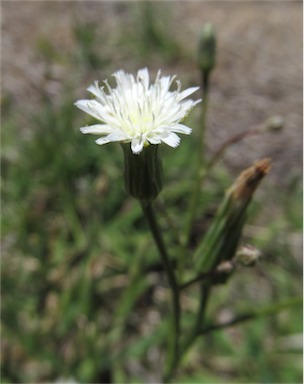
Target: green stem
156	232
267	311
199	176
198	278
202	131
215	274
205	292
204	296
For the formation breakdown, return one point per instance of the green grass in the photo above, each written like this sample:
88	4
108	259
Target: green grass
73	242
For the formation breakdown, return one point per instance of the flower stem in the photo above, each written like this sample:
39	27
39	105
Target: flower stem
202	131
200	173
205	290
195	331
201	154
174	336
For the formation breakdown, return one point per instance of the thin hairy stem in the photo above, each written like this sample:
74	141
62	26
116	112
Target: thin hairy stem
200	173
174	342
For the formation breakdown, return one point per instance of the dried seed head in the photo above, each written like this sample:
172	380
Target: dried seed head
247	182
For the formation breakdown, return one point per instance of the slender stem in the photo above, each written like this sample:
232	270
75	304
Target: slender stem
202	131
156	232
200	330
200	277
201	153
216	273
232	140
200	172
256	130
205	292
267	311
204	296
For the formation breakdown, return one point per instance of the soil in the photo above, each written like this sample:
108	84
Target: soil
258	72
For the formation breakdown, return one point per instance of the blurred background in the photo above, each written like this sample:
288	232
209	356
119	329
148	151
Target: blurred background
72	240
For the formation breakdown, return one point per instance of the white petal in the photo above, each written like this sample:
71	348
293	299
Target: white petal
124	80
143	75
117	136
157	76
186	93
181	128
171	139
88	107
137	145
102	140
187	105
154	140
96	129
112	137
196	102
165	82
95	89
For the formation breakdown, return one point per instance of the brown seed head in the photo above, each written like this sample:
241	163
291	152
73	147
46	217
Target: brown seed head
249	179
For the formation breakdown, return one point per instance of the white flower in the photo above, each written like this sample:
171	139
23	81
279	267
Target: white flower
138	112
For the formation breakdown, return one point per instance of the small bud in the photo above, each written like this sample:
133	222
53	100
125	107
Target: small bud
225	267
143	172
248	255
207	48
273	124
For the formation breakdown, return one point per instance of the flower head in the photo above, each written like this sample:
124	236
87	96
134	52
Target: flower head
138	112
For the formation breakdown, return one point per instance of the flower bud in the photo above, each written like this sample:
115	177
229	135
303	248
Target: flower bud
248	255
222	238
273	124
207	48
143	172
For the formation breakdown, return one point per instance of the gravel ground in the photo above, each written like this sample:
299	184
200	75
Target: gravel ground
258	73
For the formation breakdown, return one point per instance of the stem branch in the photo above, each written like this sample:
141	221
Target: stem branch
267	311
